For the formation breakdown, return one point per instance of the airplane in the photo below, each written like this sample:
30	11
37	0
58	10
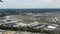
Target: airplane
1	1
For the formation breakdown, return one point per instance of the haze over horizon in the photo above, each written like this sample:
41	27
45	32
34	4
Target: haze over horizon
30	4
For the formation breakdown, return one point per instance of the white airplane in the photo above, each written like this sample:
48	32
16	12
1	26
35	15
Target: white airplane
1	1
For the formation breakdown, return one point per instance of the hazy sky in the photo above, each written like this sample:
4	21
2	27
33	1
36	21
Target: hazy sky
30	4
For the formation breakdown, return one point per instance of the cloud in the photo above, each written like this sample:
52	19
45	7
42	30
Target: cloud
30	4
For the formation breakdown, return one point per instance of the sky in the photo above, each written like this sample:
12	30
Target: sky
30	4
